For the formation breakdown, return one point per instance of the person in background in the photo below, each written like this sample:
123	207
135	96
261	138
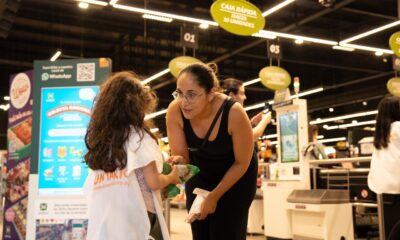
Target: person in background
234	88
384	177
318	149
227	168
124	201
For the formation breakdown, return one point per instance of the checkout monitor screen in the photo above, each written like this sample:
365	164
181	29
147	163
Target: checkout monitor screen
289	137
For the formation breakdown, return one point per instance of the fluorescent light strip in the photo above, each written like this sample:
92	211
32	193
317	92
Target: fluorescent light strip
155	114
157	18
332	140
154	130
291	36
360	114
168	15
252	82
302	94
55	56
366	48
155	76
95	2
347	49
320	136
357	124
270	136
112	2
351	39
277	7
267	36
164	139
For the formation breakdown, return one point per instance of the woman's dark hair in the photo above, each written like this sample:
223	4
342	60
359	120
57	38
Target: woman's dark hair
312	129
120	106
205	75
388	112
231	85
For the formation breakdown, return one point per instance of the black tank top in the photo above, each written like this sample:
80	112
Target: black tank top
215	157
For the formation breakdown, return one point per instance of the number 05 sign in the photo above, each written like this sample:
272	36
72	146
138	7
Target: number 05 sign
189	37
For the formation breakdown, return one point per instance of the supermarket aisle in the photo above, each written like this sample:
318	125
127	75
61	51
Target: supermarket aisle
181	230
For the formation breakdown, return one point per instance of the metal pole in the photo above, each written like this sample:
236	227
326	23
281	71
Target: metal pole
381	217
167	213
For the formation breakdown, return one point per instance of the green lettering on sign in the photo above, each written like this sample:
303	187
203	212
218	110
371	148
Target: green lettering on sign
177	64
393	85
237	16
394	43
275	78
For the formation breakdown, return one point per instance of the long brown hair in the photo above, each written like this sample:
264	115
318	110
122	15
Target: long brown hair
388	112
120	106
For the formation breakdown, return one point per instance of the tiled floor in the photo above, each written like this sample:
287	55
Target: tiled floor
181	230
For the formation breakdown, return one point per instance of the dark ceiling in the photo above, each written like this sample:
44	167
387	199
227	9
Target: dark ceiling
34	29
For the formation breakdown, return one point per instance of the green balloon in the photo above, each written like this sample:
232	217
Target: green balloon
177	64
237	16
394	43
393	86
275	78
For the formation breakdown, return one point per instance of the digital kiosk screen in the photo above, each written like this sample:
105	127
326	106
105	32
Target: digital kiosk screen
289	137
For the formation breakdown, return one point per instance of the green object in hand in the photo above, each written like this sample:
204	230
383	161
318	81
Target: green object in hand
186	171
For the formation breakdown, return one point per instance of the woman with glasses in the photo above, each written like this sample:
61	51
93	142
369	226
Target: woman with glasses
227	169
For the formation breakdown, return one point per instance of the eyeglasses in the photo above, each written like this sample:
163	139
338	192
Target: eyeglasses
190	97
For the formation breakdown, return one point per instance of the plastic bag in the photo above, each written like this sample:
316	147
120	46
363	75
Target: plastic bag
186	171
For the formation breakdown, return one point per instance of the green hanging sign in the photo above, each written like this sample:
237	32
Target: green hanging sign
177	64
237	16
275	78
393	85
394	43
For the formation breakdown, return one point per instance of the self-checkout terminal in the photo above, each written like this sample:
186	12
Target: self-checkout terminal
291	170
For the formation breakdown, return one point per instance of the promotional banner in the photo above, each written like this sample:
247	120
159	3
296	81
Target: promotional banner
275	78
19	135
237	16
64	94
177	64
393	86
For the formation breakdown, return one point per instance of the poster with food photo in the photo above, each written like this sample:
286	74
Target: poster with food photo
19	138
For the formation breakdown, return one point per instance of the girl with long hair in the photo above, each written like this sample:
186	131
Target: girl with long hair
124	201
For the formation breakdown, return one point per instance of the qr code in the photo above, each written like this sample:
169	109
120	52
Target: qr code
85	72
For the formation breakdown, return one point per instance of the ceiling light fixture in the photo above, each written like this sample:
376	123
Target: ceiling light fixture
95	2
55	56
83	5
263	35
332	140
252	82
366	48
347	125
370	32
162	14
277	7
155	114
154	130
157	18
378	53
331	109
204	25
347	49
112	2
332	119
304	38
155	76
299	41
7	98
308	92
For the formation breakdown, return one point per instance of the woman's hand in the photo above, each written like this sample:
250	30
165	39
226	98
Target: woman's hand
176	160
208	206
174	176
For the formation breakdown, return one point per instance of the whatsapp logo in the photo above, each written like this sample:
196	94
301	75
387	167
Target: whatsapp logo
45	76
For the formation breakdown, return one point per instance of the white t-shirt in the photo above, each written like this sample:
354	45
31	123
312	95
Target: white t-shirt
384	172
117	209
